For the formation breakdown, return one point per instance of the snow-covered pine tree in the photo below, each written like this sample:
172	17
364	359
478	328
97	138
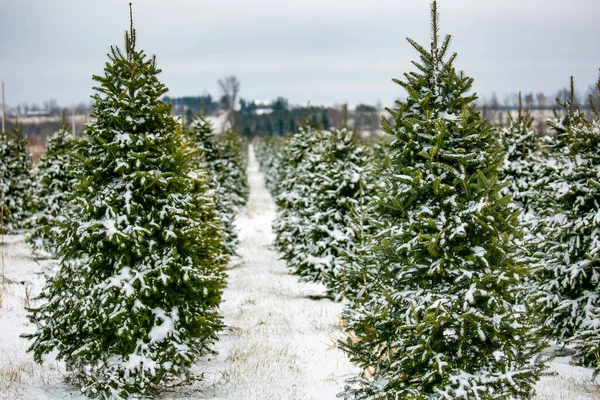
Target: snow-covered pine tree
211	157
141	274
567	278
332	184
438	317
519	141
269	152
289	202
54	178
588	339
357	272
233	164
15	180
203	134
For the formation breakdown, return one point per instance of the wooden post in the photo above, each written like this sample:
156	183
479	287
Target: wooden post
3	111
73	120
345	115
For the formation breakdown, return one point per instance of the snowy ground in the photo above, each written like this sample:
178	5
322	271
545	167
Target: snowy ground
280	343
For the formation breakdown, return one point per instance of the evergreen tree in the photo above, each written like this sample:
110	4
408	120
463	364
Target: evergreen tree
15	180
332	184
567	286
437	317
588	339
232	165
269	153
226	176
54	180
355	270
519	141
286	226
141	274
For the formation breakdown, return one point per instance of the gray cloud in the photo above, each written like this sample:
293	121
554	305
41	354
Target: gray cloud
325	51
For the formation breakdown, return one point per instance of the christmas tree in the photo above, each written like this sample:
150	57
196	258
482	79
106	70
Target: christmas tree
438	317
269	153
567	278
332	184
301	146
54	179
519	141
224	163
588	339
233	164
15	180
141	274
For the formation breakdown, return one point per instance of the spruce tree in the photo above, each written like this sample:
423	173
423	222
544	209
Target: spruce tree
233	164
269	153
332	184
54	180
301	146
438	317
567	278
226	178
520	144
15	180
587	340
141	273
519	141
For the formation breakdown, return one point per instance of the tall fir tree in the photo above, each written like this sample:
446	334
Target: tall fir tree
438	317
15	180
567	279
54	179
141	275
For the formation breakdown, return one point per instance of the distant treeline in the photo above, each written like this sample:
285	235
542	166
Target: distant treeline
277	117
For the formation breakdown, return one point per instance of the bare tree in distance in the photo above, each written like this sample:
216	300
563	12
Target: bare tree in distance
541	100
230	86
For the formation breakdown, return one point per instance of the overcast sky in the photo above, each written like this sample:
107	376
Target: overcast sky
322	51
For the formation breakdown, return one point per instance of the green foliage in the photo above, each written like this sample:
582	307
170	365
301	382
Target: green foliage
437	315
141	275
54	180
15	181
